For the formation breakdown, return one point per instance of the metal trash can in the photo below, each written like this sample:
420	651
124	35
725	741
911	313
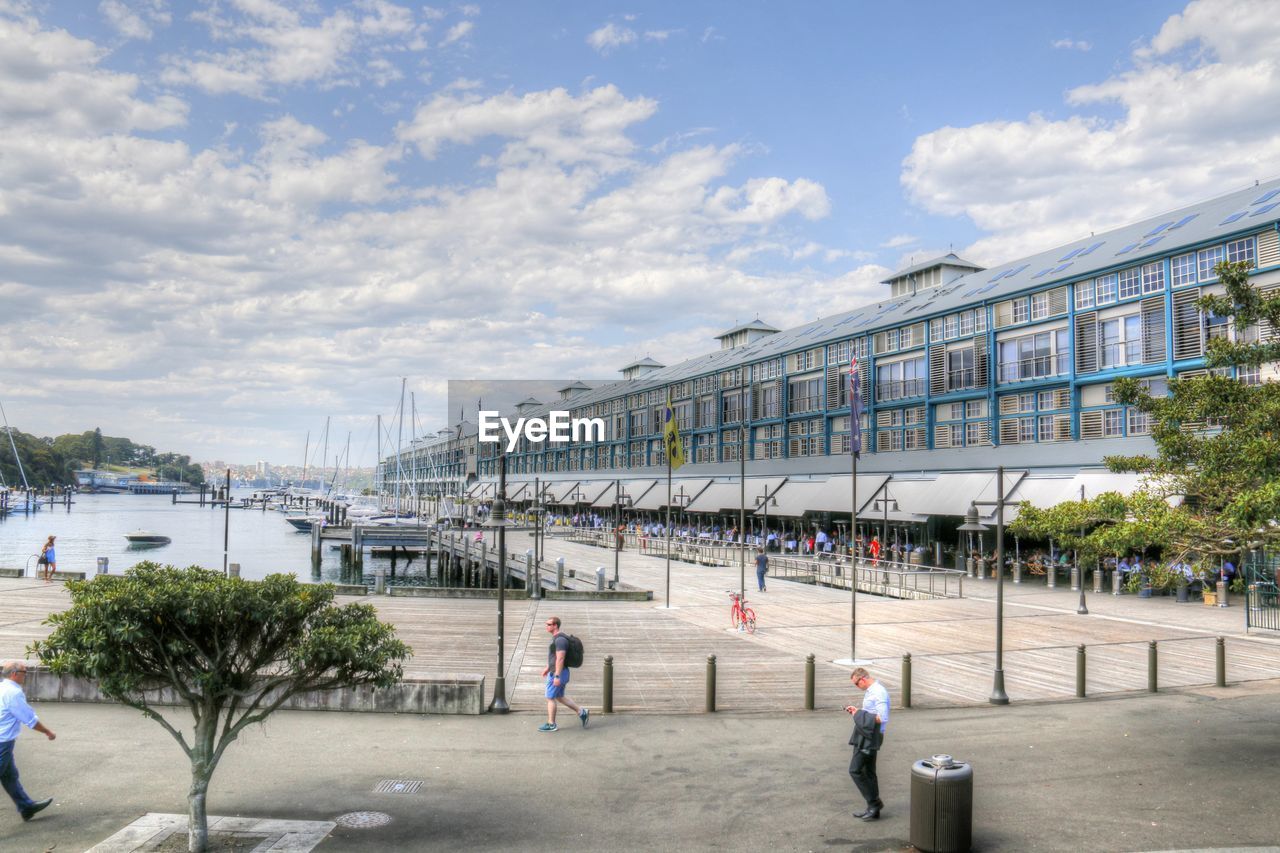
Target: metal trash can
103	563
941	805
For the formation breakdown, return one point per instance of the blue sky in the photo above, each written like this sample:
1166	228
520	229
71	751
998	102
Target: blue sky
228	220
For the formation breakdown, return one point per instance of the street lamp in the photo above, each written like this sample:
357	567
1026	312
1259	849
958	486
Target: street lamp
498	521
621	500
766	500
539	510
998	696
883	504
680	499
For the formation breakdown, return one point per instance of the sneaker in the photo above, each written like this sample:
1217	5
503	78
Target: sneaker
547	727
584	716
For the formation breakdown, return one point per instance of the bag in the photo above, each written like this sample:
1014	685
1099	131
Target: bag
43	561
573	654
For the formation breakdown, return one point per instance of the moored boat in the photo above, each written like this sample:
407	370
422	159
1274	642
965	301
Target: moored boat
146	539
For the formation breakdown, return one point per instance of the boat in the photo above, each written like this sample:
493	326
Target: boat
145	539
304	523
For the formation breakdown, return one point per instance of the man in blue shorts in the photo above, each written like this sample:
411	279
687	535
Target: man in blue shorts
557	675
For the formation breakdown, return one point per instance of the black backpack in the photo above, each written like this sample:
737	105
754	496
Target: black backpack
573	654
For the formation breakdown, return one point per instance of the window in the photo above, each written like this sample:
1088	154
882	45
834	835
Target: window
1139	422
731	406
1039	306
1215	327
1026	430
1130	283
960	369
1106	286
1249	375
1044	428
1153	277
1120	340
975	433
1113	422
804	395
975	409
955	411
957	435
1020	314
1240	250
769	407
1084	294
900	379
1208	260
1183	270
952	326
1033	356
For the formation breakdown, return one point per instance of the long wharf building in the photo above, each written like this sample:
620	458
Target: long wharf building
962	369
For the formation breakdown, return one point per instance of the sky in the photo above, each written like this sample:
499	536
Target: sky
224	221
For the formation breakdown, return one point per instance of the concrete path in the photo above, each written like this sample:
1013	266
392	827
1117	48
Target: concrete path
1187	770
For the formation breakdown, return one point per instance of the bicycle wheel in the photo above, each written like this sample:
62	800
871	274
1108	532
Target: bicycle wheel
735	616
750	617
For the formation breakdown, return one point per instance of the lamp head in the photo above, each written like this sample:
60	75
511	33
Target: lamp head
971	522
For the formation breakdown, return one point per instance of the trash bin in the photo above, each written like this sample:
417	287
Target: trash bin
103	563
941	805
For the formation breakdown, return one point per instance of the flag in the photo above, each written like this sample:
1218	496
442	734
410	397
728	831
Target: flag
855	407
671	437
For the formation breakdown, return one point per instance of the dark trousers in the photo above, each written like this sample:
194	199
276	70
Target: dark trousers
760	578
9	778
863	770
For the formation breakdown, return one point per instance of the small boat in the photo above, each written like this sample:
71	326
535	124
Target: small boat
143	539
303	523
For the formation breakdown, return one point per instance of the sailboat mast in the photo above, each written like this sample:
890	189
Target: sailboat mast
306	451
14	447
399	442
324	456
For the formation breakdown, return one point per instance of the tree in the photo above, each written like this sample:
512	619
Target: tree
97	446
232	650
1218	437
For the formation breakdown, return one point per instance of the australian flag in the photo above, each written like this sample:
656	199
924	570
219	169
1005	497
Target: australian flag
855	408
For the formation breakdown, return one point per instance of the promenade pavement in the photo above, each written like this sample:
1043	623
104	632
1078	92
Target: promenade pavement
1188	770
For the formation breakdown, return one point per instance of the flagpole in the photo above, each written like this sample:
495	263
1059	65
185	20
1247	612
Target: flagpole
668	605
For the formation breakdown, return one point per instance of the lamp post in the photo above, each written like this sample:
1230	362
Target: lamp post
883	504
498	520
620	500
765	500
680	499
998	695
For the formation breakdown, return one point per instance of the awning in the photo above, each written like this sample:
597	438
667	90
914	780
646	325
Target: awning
596	489
656	498
724	497
908	494
563	492
1096	481
482	491
633	489
515	490
832	495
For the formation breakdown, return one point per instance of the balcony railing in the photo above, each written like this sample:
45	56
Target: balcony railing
801	405
1036	367
898	389
962	379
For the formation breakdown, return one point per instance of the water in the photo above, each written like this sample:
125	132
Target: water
261	542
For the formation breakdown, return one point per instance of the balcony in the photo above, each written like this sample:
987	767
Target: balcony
899	389
961	380
803	405
1036	367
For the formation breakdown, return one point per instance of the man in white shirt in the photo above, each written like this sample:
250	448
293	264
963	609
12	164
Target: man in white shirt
14	714
869	725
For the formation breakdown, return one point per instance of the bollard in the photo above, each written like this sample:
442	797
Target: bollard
380	581
530	575
233	570
1080	671
906	680
1151	667
1099	574
1222	661
559	572
968	566
607	701
808	683
1076	580
711	684
1051	576
102	565
599	578
981	568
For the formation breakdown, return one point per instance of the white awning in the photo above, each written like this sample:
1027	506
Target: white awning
481	491
596	490
656	498
832	495
633	489
721	497
515	490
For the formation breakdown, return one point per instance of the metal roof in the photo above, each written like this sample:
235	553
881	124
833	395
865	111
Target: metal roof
755	325
950	260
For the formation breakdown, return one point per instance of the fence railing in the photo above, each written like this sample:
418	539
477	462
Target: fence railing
895	580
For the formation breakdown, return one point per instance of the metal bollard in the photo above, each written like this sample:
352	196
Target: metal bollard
607	702
968	566
1099	575
531	579
233	570
1051	576
1080	671
906	680
599	578
559	572
1151	668
102	565
1076	579
808	683
380	581
1222	661
711	684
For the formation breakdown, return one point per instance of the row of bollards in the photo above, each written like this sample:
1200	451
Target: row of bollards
905	686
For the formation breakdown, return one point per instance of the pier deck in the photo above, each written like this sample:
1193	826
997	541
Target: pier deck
660	654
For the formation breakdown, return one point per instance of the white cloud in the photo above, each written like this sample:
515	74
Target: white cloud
899	240
1072	44
610	37
135	23
1195	120
458	32
660	35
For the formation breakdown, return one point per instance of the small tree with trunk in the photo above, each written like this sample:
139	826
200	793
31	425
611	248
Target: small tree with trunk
233	651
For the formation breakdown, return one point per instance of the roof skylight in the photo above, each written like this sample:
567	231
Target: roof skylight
1154	231
1069	255
1265	197
1266	208
1152	241
1128	248
1233	217
1183	221
1093	248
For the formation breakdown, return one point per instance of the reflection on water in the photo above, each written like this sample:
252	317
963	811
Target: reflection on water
260	541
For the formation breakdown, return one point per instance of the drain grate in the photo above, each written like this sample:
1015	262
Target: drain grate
363	820
398	786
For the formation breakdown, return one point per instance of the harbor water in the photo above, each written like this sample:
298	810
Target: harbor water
95	526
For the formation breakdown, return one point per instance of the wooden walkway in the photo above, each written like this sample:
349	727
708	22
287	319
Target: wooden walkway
660	654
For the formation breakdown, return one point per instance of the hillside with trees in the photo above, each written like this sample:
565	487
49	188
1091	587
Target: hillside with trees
54	461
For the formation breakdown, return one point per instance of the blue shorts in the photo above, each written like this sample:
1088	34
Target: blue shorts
556	691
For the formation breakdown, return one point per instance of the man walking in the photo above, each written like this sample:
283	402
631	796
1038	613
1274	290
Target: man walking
14	714
762	566
869	724
557	673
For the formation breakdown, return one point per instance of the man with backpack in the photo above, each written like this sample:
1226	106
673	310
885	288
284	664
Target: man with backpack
564	654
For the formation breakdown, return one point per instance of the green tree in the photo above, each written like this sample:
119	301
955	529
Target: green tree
97	446
232	650
1218	437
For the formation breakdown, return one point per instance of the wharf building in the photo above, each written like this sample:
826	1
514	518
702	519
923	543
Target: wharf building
962	369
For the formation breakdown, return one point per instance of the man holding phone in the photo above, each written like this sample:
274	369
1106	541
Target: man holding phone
869	725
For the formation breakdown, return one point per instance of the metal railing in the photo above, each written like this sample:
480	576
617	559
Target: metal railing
1036	367
959	380
899	389
895	580
1263	606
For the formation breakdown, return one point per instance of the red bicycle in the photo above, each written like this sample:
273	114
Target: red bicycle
740	614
